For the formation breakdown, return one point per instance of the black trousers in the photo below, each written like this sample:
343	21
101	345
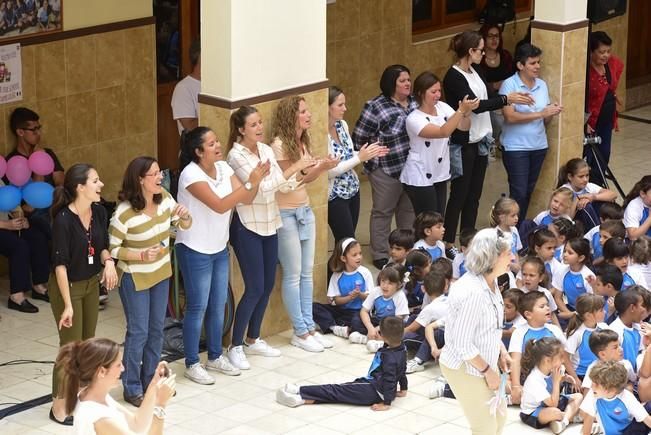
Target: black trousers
29	258
358	326
465	192
358	392
326	316
428	198
343	215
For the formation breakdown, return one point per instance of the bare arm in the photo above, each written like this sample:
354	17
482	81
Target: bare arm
189	123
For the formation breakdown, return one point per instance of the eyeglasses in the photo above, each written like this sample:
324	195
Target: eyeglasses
481	50
493	36
38	129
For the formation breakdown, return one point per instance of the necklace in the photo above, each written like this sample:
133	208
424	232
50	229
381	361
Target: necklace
493	60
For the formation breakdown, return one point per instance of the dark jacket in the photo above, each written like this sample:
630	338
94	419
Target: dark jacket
387	371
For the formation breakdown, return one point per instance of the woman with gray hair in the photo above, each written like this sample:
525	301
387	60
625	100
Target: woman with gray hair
473	331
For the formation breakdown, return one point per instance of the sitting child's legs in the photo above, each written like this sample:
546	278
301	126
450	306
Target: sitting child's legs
358	392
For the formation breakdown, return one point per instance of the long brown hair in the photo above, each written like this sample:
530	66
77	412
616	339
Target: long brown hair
237	121
644	185
63	195
535	351
284	127
131	188
79	362
586	303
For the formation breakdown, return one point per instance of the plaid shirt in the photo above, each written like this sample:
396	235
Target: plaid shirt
383	120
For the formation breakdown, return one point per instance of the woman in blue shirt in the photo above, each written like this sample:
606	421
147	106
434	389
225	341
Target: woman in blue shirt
523	134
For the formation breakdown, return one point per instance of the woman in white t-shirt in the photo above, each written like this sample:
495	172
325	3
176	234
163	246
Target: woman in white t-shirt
92	368
210	190
427	169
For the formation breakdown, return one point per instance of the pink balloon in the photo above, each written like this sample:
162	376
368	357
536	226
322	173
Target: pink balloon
41	163
3	166
18	171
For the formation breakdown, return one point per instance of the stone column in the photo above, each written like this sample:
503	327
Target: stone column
255	53
560	29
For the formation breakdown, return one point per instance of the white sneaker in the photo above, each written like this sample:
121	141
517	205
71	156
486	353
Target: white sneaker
558	426
288	399
340	331
198	374
357	338
308	343
260	347
222	365
237	358
437	389
374	345
327	344
414	366
292	388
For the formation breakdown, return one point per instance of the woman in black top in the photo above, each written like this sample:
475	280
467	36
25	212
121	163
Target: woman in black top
469	149
80	249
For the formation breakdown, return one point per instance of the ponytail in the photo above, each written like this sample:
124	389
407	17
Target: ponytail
644	185
191	141
586	303
416	262
570	168
535	351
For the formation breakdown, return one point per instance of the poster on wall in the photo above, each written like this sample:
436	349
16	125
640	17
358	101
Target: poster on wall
23	18
11	86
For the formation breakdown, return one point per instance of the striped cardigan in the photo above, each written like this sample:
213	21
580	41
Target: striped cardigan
136	231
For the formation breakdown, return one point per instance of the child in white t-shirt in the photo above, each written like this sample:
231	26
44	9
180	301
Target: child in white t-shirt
504	216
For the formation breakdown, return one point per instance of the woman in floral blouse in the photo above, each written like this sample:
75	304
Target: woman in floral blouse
343	191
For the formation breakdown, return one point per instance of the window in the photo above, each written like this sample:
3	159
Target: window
431	15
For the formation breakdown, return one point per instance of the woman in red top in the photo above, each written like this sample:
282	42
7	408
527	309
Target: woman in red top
603	77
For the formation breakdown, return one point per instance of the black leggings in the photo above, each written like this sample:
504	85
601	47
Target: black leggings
342	217
465	192
428	198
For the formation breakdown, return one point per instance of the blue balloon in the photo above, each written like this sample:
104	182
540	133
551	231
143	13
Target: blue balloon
9	198
38	194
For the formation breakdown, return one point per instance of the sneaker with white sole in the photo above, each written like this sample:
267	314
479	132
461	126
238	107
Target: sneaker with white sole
196	373
340	331
374	345
260	347
308	343
237	357
437	389
222	365
292	389
289	399
558	426
357	338
414	366
327	344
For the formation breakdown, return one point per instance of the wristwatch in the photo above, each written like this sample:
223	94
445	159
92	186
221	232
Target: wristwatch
159	412
248	186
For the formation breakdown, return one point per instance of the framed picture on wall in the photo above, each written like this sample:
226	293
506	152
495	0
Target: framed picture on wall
22	18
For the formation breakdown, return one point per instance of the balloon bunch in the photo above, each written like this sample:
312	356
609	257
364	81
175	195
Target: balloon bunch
18	170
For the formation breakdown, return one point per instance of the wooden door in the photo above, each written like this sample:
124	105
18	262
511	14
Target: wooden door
638	54
177	25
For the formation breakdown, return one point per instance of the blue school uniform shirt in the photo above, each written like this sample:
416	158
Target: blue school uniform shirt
435	251
594	238
630	339
416	295
579	349
615	414
627	281
635	214
380	307
572	284
518	321
342	283
522	335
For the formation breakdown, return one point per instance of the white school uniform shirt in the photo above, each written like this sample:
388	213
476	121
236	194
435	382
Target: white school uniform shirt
459	260
575	341
523	334
631	350
634	213
514	235
436	310
428	161
333	285
439	246
548	295
545	217
559	276
632	376
589	188
399	301
609	413
534	391
637	276
642	269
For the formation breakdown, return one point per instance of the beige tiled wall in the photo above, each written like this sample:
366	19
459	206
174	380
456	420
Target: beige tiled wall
365	36
276	319
96	96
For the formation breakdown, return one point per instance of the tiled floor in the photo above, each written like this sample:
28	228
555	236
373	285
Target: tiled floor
245	404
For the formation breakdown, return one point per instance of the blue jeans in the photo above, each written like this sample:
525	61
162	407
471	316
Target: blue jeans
523	169
296	242
258	258
145	314
205	278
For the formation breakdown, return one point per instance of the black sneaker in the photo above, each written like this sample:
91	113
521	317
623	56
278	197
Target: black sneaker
24	307
380	263
451	252
68	421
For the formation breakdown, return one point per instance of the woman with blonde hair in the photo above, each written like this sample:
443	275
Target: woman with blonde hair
297	236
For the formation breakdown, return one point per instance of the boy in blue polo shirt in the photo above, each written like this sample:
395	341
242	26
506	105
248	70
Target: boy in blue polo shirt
611	404
630	305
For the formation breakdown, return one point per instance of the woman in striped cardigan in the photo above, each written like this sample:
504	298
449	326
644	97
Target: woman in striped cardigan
139	239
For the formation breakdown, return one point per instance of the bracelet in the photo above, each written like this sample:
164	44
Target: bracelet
485	369
159	412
